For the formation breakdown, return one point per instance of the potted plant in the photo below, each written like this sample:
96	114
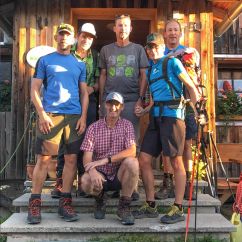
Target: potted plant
229	106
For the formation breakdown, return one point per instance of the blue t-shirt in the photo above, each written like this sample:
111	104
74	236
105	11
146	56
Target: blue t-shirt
179	47
160	89
61	75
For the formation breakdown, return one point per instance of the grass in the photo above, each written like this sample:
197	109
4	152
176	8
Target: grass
151	238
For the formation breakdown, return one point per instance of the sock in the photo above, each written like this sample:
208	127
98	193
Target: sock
179	206
151	204
168	175
66	194
35	196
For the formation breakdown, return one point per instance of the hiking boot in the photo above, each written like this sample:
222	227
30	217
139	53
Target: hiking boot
167	189
56	192
66	211
173	216
100	207
187	191
124	212
34	215
146	212
135	196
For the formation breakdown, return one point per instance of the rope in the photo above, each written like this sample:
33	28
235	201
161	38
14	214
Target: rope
10	159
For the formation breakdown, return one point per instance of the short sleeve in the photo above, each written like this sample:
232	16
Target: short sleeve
143	60
129	135
89	140
82	77
177	66
102	62
40	70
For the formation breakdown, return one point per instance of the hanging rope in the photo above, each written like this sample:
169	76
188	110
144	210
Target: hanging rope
10	159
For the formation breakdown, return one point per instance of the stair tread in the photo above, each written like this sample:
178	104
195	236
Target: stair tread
157	182
51	223
203	200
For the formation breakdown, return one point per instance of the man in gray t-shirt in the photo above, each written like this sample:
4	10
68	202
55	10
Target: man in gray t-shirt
123	65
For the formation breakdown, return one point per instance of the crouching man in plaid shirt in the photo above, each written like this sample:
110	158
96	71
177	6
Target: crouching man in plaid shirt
109	159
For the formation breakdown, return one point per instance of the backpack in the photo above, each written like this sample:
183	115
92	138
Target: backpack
190	59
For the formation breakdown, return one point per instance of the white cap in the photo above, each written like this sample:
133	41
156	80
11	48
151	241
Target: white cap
115	96
88	28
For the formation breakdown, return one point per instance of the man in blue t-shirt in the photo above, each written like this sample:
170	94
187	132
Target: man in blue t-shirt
166	131
172	35
61	112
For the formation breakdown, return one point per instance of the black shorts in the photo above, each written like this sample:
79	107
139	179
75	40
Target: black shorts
191	126
114	185
165	134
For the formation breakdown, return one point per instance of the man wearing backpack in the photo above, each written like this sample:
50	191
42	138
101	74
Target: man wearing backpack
83	52
172	35
166	131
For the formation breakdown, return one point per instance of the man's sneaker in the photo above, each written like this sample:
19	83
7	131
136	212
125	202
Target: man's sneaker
173	216
187	191
100	207
124	212
66	211
56	192
146	212
34	215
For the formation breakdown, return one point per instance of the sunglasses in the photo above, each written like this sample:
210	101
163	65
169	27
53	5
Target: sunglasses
120	16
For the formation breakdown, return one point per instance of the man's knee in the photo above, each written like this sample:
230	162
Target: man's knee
85	182
131	164
145	161
177	164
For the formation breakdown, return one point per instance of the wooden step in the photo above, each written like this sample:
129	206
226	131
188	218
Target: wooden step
224	191
53	228
205	204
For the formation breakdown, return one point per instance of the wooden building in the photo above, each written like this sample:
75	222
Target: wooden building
35	22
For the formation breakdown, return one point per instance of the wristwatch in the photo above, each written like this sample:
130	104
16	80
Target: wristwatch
109	160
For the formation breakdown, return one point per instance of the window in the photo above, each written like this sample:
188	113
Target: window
229	80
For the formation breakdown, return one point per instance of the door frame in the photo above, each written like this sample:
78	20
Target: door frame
109	14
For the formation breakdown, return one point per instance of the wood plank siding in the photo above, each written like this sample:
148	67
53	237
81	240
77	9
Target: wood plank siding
35	23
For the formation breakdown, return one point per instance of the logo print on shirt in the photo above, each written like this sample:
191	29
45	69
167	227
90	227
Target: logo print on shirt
155	71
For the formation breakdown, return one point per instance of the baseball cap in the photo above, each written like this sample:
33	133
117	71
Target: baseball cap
154	38
115	96
65	27
88	28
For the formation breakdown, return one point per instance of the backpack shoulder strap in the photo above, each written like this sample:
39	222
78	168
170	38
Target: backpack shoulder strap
166	78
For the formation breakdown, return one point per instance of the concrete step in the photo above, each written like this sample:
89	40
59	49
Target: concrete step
158	181
205	204
52	228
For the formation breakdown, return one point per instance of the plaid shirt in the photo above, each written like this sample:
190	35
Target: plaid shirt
104	141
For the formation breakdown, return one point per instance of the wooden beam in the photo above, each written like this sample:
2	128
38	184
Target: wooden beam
230	151
6	27
219	14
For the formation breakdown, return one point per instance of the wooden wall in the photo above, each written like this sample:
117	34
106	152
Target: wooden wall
35	22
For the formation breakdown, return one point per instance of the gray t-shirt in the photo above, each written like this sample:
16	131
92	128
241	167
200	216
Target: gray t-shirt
123	69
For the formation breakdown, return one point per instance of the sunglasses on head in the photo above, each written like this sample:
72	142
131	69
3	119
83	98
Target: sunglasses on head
120	16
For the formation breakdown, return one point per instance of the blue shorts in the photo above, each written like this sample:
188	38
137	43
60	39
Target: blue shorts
191	126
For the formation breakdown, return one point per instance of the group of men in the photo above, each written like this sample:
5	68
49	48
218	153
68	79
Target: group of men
110	159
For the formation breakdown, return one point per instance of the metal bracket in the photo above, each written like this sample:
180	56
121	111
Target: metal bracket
195	26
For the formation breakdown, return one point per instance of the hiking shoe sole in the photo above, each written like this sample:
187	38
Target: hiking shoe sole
167	220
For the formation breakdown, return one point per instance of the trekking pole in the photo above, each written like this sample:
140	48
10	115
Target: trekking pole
222	166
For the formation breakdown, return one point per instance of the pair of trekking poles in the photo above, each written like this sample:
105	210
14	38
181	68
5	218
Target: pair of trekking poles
205	144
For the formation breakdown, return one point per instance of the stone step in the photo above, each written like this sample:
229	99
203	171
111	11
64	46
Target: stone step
52	228
51	183
205	203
